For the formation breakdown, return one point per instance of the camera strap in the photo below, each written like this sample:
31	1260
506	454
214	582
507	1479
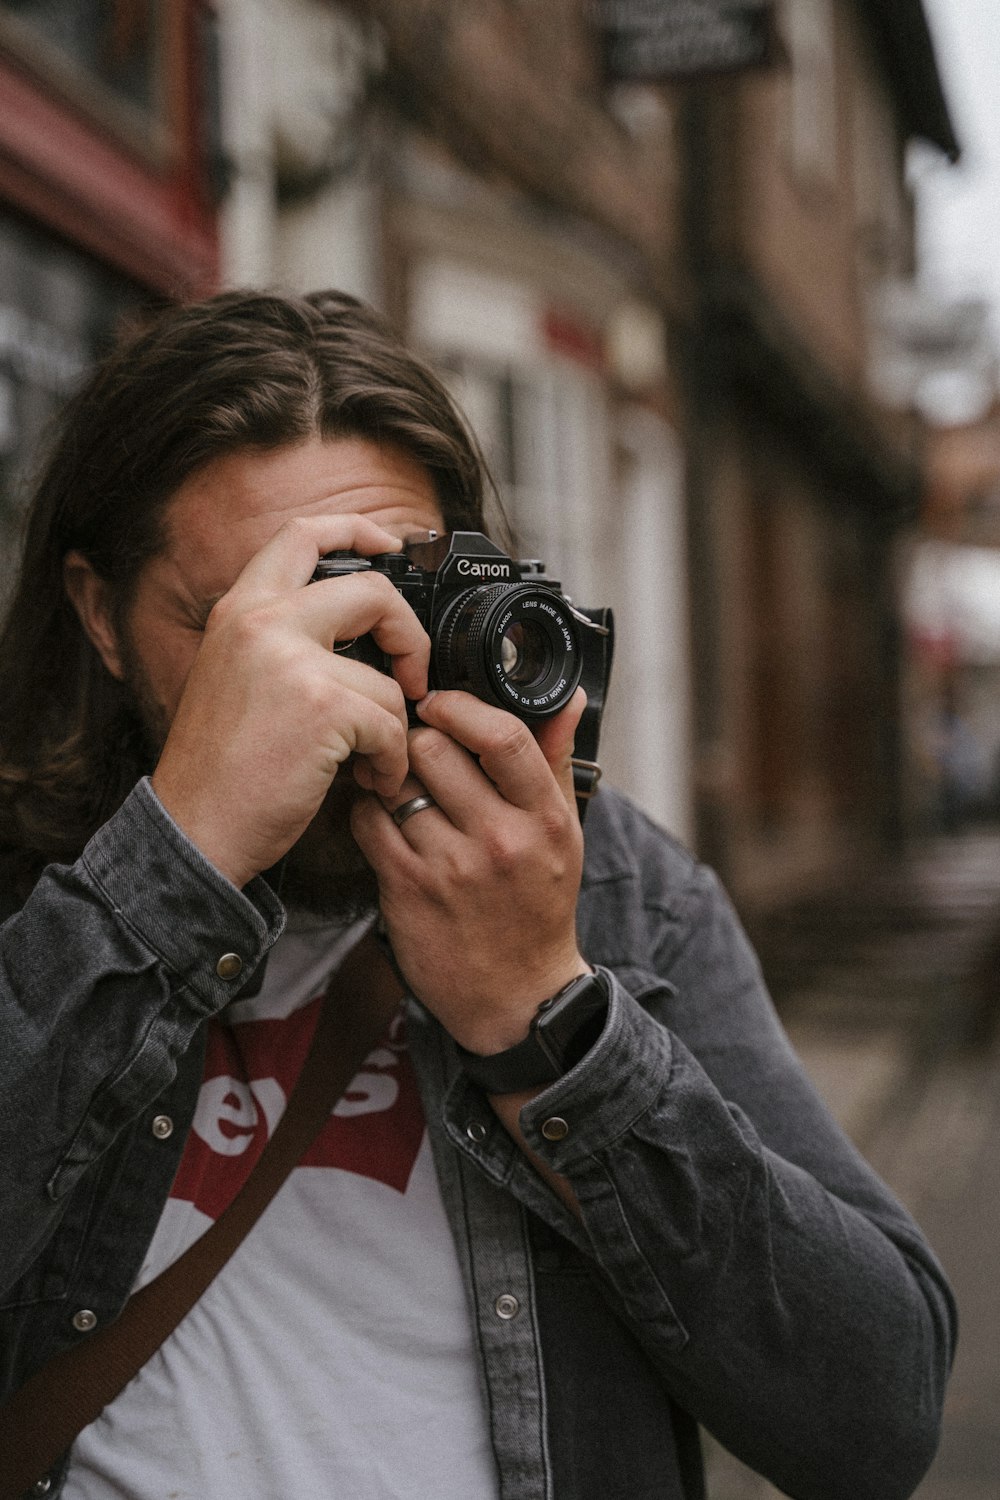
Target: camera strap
594	681
41	1421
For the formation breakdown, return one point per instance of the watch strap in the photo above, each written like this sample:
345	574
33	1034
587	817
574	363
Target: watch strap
562	1030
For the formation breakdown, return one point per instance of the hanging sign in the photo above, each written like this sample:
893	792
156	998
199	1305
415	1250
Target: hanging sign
656	41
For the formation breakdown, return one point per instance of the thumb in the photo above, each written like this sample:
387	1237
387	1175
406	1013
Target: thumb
555	739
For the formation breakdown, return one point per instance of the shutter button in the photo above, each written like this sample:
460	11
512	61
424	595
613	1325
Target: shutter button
84	1320
230	966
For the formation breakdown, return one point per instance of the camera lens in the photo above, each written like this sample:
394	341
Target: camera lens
511	644
525	654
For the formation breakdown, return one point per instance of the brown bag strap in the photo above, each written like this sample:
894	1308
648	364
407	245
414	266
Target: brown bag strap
40	1422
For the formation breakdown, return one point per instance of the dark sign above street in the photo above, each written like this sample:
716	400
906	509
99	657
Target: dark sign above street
658	40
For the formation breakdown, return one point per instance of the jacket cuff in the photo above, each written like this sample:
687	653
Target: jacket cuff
597	1101
177	903
618	1080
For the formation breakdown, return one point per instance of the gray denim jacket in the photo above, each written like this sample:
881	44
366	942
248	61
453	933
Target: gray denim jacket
737	1264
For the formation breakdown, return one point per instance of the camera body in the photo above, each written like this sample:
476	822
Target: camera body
499	628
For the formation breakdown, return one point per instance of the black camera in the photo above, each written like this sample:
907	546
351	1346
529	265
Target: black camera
499	628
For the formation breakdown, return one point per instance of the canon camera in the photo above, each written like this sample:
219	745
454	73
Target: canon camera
499	628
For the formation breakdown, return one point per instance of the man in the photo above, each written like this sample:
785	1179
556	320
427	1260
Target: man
466	1289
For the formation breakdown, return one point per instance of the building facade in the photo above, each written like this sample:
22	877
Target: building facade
106	196
799	478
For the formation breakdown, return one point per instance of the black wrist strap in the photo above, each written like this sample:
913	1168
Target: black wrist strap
561	1033
522	1067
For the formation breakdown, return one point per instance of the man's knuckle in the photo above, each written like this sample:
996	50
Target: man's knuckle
248	626
380	588
221	613
510	740
394	699
506	850
428	746
393	733
557	825
340	745
298	526
313	695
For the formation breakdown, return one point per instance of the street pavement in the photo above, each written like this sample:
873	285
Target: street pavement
890	991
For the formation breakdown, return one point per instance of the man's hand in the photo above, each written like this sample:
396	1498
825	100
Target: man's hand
269	713
479	893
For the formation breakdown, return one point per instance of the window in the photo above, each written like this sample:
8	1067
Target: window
883	232
58	310
544	432
106	55
810	35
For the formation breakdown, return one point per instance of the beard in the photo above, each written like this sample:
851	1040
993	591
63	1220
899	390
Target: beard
324	873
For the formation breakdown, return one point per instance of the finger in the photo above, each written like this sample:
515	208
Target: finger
380	841
373	832
411	787
358	726
454	778
356	677
341	609
507	750
428	823
288	559
555	738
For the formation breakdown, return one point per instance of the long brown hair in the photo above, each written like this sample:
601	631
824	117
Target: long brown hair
243	369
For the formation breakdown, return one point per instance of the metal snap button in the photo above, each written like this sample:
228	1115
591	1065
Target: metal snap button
555	1129
162	1127
476	1130
506	1306
40	1487
84	1320
230	966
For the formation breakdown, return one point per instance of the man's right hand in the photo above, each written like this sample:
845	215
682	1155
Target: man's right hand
269	713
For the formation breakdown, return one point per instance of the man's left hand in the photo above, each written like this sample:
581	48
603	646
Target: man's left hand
479	892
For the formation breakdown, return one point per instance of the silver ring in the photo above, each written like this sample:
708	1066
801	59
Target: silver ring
407	809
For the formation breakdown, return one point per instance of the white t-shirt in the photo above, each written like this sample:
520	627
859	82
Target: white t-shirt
333	1354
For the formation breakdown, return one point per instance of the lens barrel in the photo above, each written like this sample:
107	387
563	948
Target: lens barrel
515	644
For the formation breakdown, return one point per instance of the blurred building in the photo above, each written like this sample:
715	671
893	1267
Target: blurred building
105	195
800	474
963	481
651	290
952	576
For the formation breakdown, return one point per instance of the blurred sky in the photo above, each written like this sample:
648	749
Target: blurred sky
958	230
959	206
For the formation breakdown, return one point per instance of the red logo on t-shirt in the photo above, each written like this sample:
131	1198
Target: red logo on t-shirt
375	1129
